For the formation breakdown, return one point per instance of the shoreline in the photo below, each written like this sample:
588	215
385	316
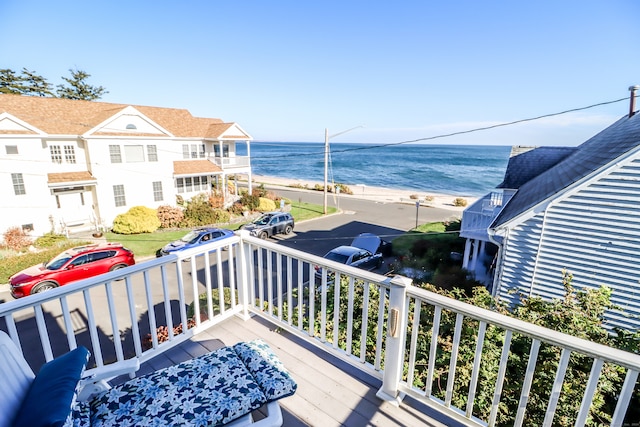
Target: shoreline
379	194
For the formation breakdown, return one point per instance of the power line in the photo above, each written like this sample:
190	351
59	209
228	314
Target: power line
463	132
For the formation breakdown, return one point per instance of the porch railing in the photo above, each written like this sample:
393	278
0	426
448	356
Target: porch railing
231	162
384	326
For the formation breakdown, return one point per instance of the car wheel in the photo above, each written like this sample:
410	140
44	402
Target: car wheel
288	229
117	267
264	235
43	286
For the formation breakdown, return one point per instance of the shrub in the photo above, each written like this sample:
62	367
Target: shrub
236	208
198	212
259	191
428	198
414	197
344	189
170	216
266	205
138	219
250	201
16	239
50	239
220	215
216	200
459	201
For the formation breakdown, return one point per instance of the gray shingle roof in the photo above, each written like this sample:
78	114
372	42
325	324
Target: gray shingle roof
525	163
593	154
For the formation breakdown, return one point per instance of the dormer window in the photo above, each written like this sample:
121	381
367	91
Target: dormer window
131	126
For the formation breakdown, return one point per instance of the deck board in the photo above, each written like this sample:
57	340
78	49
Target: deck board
330	392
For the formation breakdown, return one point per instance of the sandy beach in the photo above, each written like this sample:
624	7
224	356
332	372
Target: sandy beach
380	194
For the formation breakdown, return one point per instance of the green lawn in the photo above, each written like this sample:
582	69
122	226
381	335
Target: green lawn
146	244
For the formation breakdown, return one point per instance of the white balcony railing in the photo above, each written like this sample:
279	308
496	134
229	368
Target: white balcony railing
376	323
231	162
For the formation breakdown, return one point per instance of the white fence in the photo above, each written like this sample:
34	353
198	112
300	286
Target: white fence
382	325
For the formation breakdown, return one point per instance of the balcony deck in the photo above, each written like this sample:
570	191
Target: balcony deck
330	391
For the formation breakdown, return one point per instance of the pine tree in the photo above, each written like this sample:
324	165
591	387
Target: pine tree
78	88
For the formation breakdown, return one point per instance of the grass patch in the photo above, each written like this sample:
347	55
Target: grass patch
302	211
145	244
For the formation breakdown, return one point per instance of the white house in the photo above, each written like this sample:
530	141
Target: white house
565	208
69	165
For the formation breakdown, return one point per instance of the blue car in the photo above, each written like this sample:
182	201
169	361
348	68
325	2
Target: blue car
195	238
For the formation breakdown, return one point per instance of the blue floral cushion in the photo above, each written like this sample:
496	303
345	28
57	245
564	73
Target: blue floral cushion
213	389
268	370
52	393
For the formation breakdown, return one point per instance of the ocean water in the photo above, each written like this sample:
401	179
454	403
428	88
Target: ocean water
449	169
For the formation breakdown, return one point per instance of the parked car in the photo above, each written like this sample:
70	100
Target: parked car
195	238
270	224
71	265
364	253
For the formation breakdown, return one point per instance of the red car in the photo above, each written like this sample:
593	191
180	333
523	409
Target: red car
71	265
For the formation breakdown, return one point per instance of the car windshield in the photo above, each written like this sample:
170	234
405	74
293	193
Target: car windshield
334	256
263	220
58	261
190	237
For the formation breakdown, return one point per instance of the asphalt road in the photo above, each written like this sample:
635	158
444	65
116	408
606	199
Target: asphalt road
387	220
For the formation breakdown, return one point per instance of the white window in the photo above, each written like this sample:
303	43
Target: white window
194	151
180	185
56	154
190	184
185	151
118	195
69	154
133	153
18	184
114	153
11	149
157	191
152	153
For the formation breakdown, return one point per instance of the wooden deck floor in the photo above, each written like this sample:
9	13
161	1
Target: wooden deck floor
330	391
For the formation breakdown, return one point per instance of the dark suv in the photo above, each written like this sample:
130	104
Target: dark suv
270	224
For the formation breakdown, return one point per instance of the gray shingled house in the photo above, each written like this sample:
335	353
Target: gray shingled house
558	207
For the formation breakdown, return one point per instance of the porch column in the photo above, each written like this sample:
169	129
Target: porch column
243	275
249	164
476	250
396	332
467	252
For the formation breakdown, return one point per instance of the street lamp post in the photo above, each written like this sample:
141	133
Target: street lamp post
326	159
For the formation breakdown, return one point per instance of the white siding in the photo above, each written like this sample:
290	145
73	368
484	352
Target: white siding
595	234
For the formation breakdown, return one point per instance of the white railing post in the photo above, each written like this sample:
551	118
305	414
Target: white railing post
243	274
394	346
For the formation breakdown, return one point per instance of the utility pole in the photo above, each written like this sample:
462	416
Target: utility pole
326	160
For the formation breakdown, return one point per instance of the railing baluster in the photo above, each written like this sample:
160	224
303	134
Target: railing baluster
504	359
279	283
260	253
415	329
336	309
289	287
482	328
323	308
270	282
209	291
587	398
221	301
300	288
42	331
117	341
93	329
312	300
454	360
365	321
381	306
350	296
150	308
231	269
135	330
528	380
68	324
557	387
435	331
624	398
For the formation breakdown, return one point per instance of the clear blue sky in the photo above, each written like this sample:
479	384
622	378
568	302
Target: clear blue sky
286	70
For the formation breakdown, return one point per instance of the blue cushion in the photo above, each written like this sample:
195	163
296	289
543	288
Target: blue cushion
51	395
274	379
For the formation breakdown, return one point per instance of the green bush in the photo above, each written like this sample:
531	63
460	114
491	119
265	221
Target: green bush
138	219
169	216
266	205
50	239
220	215
460	202
11	265
250	201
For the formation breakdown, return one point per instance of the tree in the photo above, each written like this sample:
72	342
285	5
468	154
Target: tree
35	85
78	88
10	82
